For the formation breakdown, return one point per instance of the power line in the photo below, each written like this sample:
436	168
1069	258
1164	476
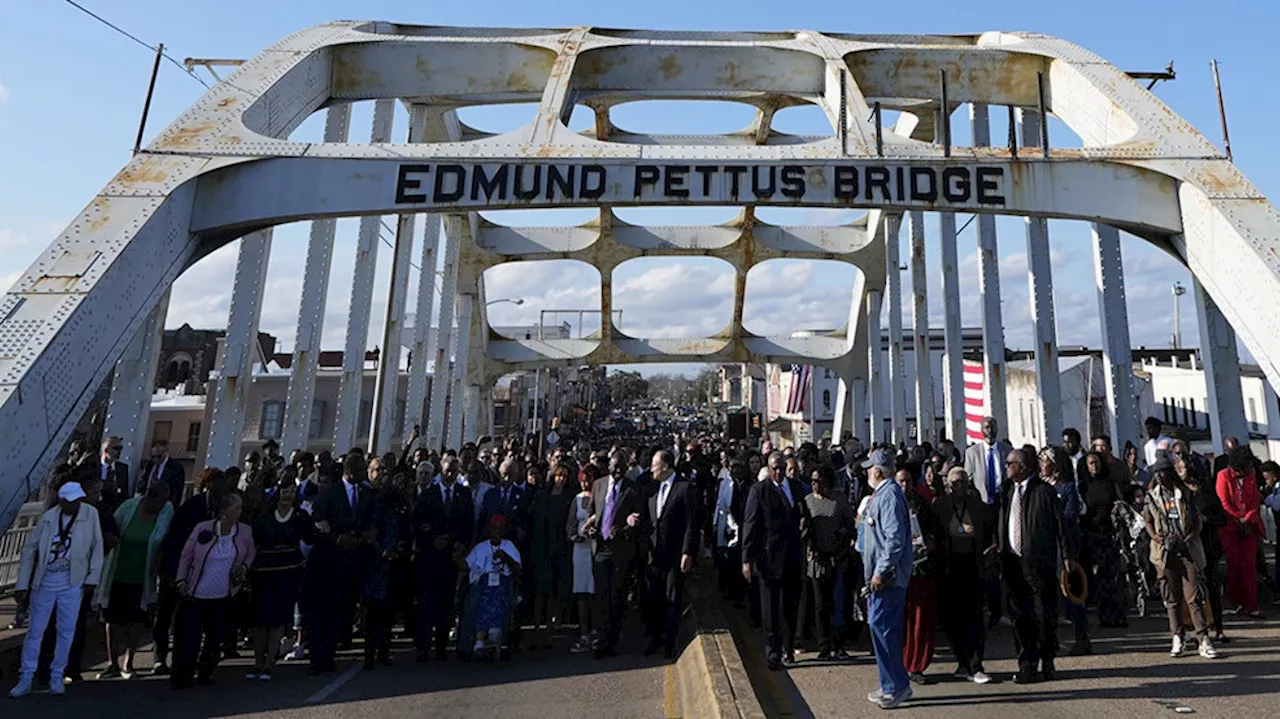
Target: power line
136	39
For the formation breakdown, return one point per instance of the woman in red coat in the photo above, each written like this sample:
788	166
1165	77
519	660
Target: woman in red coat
1238	490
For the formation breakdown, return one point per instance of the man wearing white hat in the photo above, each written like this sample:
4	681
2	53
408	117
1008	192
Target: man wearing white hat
60	560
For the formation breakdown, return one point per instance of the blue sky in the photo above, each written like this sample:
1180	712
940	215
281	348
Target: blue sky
71	91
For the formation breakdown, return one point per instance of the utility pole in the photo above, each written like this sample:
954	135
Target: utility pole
1222	110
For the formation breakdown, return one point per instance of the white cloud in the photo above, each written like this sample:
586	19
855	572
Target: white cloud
11	241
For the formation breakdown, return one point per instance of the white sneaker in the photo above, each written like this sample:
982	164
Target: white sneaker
875	696
1178	646
891	701
57	687
22	689
980	678
1206	649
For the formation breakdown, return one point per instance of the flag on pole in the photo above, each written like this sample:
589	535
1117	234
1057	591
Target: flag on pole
975	399
801	375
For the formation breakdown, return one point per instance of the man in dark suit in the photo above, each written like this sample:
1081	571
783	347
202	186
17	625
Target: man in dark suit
443	531
617	522
114	474
771	549
341	513
163	469
673	544
1030	539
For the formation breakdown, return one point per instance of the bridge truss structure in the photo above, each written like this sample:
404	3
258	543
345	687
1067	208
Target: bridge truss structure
94	302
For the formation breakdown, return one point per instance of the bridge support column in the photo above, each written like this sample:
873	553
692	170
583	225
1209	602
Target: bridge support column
851	414
129	409
875	367
952	342
993	373
464	404
442	376
424	339
315	291
1040	275
1117	354
893	287
235	371
1221	362
348	417
926	416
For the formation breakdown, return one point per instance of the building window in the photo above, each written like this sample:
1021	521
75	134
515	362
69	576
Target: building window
161	430
1195	420
1186	417
317	418
1165	405
1035	421
1022	415
272	420
193	436
1253	415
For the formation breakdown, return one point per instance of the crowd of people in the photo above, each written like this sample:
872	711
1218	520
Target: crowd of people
502	547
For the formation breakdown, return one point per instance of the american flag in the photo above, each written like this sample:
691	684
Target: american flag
975	399
801	375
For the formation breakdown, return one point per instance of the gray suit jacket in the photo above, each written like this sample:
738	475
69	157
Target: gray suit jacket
975	465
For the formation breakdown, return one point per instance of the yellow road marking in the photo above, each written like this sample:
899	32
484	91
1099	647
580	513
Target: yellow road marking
670	694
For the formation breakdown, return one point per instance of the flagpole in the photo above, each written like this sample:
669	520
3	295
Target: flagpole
813	405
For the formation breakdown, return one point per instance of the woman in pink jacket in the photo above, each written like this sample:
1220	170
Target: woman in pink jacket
212	571
1238	490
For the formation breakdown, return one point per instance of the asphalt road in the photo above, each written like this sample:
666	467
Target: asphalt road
546	684
1129	675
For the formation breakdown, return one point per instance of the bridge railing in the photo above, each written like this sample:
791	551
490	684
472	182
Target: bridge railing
12	541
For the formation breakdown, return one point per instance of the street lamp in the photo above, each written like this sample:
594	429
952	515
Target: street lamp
515	301
1178	292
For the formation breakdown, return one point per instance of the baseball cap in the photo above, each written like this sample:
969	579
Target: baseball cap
879	458
70	492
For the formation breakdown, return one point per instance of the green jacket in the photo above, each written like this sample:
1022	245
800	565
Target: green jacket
124	515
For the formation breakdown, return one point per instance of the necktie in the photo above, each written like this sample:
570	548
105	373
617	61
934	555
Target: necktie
352	498
448	496
1015	523
610	503
662	497
785	500
991	474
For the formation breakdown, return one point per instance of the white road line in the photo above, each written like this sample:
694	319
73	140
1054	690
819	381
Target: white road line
335	685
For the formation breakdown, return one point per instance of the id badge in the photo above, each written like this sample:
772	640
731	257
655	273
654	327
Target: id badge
494	578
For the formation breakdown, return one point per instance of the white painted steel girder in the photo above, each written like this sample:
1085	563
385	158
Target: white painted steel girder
875	368
463	399
442	383
993	366
315	291
1040	276
224	169
423	338
129	409
1117	353
925	413
1221	373
347	417
893	290
235	368
952	343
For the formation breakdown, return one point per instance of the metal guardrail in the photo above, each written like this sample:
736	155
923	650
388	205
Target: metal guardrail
11	544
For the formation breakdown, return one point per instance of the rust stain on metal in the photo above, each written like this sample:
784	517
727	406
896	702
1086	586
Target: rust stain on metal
1217	177
669	66
186	136
149	170
350	75
224	102
48	283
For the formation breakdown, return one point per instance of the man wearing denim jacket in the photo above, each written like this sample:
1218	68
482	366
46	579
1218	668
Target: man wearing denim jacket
885	542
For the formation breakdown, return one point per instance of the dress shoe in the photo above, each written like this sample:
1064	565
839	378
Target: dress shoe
920	678
1026	678
789	659
1049	672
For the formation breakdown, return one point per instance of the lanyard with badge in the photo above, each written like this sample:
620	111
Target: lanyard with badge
495	568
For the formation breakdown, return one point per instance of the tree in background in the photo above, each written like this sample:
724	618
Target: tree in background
627	387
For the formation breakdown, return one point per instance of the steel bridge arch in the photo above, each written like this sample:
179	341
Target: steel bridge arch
224	168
